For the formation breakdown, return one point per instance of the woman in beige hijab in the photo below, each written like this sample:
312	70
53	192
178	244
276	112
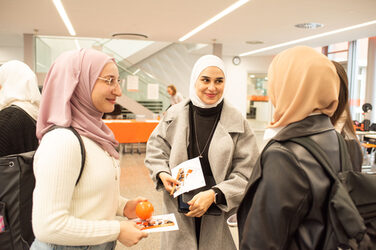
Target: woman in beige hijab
284	205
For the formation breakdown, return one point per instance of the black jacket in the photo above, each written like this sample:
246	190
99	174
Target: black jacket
285	203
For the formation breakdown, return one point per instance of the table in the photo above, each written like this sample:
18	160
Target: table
362	134
131	131
372	136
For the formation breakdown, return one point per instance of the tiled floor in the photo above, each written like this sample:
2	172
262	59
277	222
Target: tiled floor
135	181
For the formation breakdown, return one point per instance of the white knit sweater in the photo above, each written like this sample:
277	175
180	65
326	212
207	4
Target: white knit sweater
66	214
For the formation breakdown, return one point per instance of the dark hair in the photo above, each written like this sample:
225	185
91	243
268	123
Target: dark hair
173	88
343	105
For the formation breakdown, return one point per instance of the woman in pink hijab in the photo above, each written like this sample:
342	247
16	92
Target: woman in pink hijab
80	86
284	206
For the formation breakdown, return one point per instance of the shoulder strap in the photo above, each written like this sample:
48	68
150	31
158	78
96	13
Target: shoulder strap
31	118
319	154
82	146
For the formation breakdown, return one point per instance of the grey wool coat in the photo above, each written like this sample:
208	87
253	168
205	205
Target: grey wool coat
232	154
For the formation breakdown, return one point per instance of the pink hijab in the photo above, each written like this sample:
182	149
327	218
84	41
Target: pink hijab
301	82
66	97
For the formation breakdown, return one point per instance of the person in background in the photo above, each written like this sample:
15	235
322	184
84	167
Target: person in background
342	121
175	97
283	205
19	107
208	130
80	86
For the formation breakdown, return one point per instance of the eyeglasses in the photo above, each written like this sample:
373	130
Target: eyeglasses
110	81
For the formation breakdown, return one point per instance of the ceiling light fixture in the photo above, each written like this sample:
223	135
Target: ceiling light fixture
137	70
214	19
60	8
254	42
308	38
309	26
136	36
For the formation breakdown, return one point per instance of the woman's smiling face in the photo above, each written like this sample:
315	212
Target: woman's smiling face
104	94
210	85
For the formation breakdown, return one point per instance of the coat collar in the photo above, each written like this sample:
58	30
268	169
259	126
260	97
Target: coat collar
311	125
231	120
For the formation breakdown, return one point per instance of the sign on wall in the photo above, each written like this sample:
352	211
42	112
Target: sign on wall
153	91
132	83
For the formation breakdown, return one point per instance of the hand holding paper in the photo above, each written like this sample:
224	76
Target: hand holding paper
190	175
158	223
168	181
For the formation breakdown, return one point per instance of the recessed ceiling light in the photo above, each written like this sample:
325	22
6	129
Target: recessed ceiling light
254	42
133	36
309	26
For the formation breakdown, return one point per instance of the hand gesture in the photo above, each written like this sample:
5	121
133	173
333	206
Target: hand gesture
130	207
200	203
130	233
168	181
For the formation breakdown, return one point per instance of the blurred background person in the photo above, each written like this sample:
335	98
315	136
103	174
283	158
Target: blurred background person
343	123
19	108
19	105
175	96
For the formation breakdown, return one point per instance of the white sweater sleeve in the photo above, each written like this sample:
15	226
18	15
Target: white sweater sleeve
122	202
57	165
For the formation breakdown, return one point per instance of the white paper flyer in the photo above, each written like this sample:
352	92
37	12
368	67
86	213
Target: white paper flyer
190	176
159	223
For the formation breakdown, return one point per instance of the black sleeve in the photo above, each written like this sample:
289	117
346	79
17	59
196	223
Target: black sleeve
279	204
221	200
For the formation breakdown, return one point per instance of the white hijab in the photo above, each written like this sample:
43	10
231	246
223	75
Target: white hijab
19	86
200	65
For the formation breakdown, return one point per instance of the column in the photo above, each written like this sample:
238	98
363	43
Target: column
371	77
352	77
217	49
29	50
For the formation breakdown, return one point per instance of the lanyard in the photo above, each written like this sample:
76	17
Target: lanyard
210	135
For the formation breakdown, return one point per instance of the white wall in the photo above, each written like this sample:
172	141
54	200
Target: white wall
236	82
11	48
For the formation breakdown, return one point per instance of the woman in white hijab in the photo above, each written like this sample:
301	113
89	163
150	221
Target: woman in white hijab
19	104
214	136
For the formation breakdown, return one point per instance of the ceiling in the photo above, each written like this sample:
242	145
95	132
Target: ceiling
270	21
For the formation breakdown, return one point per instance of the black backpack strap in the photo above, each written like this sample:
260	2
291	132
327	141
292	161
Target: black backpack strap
82	146
343	214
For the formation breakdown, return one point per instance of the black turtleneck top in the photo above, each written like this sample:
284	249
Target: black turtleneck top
205	120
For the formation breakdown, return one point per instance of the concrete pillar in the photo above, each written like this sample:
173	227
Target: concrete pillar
29	50
351	74
371	78
217	49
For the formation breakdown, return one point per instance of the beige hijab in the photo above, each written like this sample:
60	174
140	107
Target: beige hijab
301	81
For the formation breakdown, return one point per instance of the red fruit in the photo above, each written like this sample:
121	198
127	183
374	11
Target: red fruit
144	210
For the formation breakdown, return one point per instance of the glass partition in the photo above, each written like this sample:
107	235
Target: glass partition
49	48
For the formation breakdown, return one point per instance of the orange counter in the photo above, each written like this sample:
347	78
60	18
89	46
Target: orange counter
131	131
